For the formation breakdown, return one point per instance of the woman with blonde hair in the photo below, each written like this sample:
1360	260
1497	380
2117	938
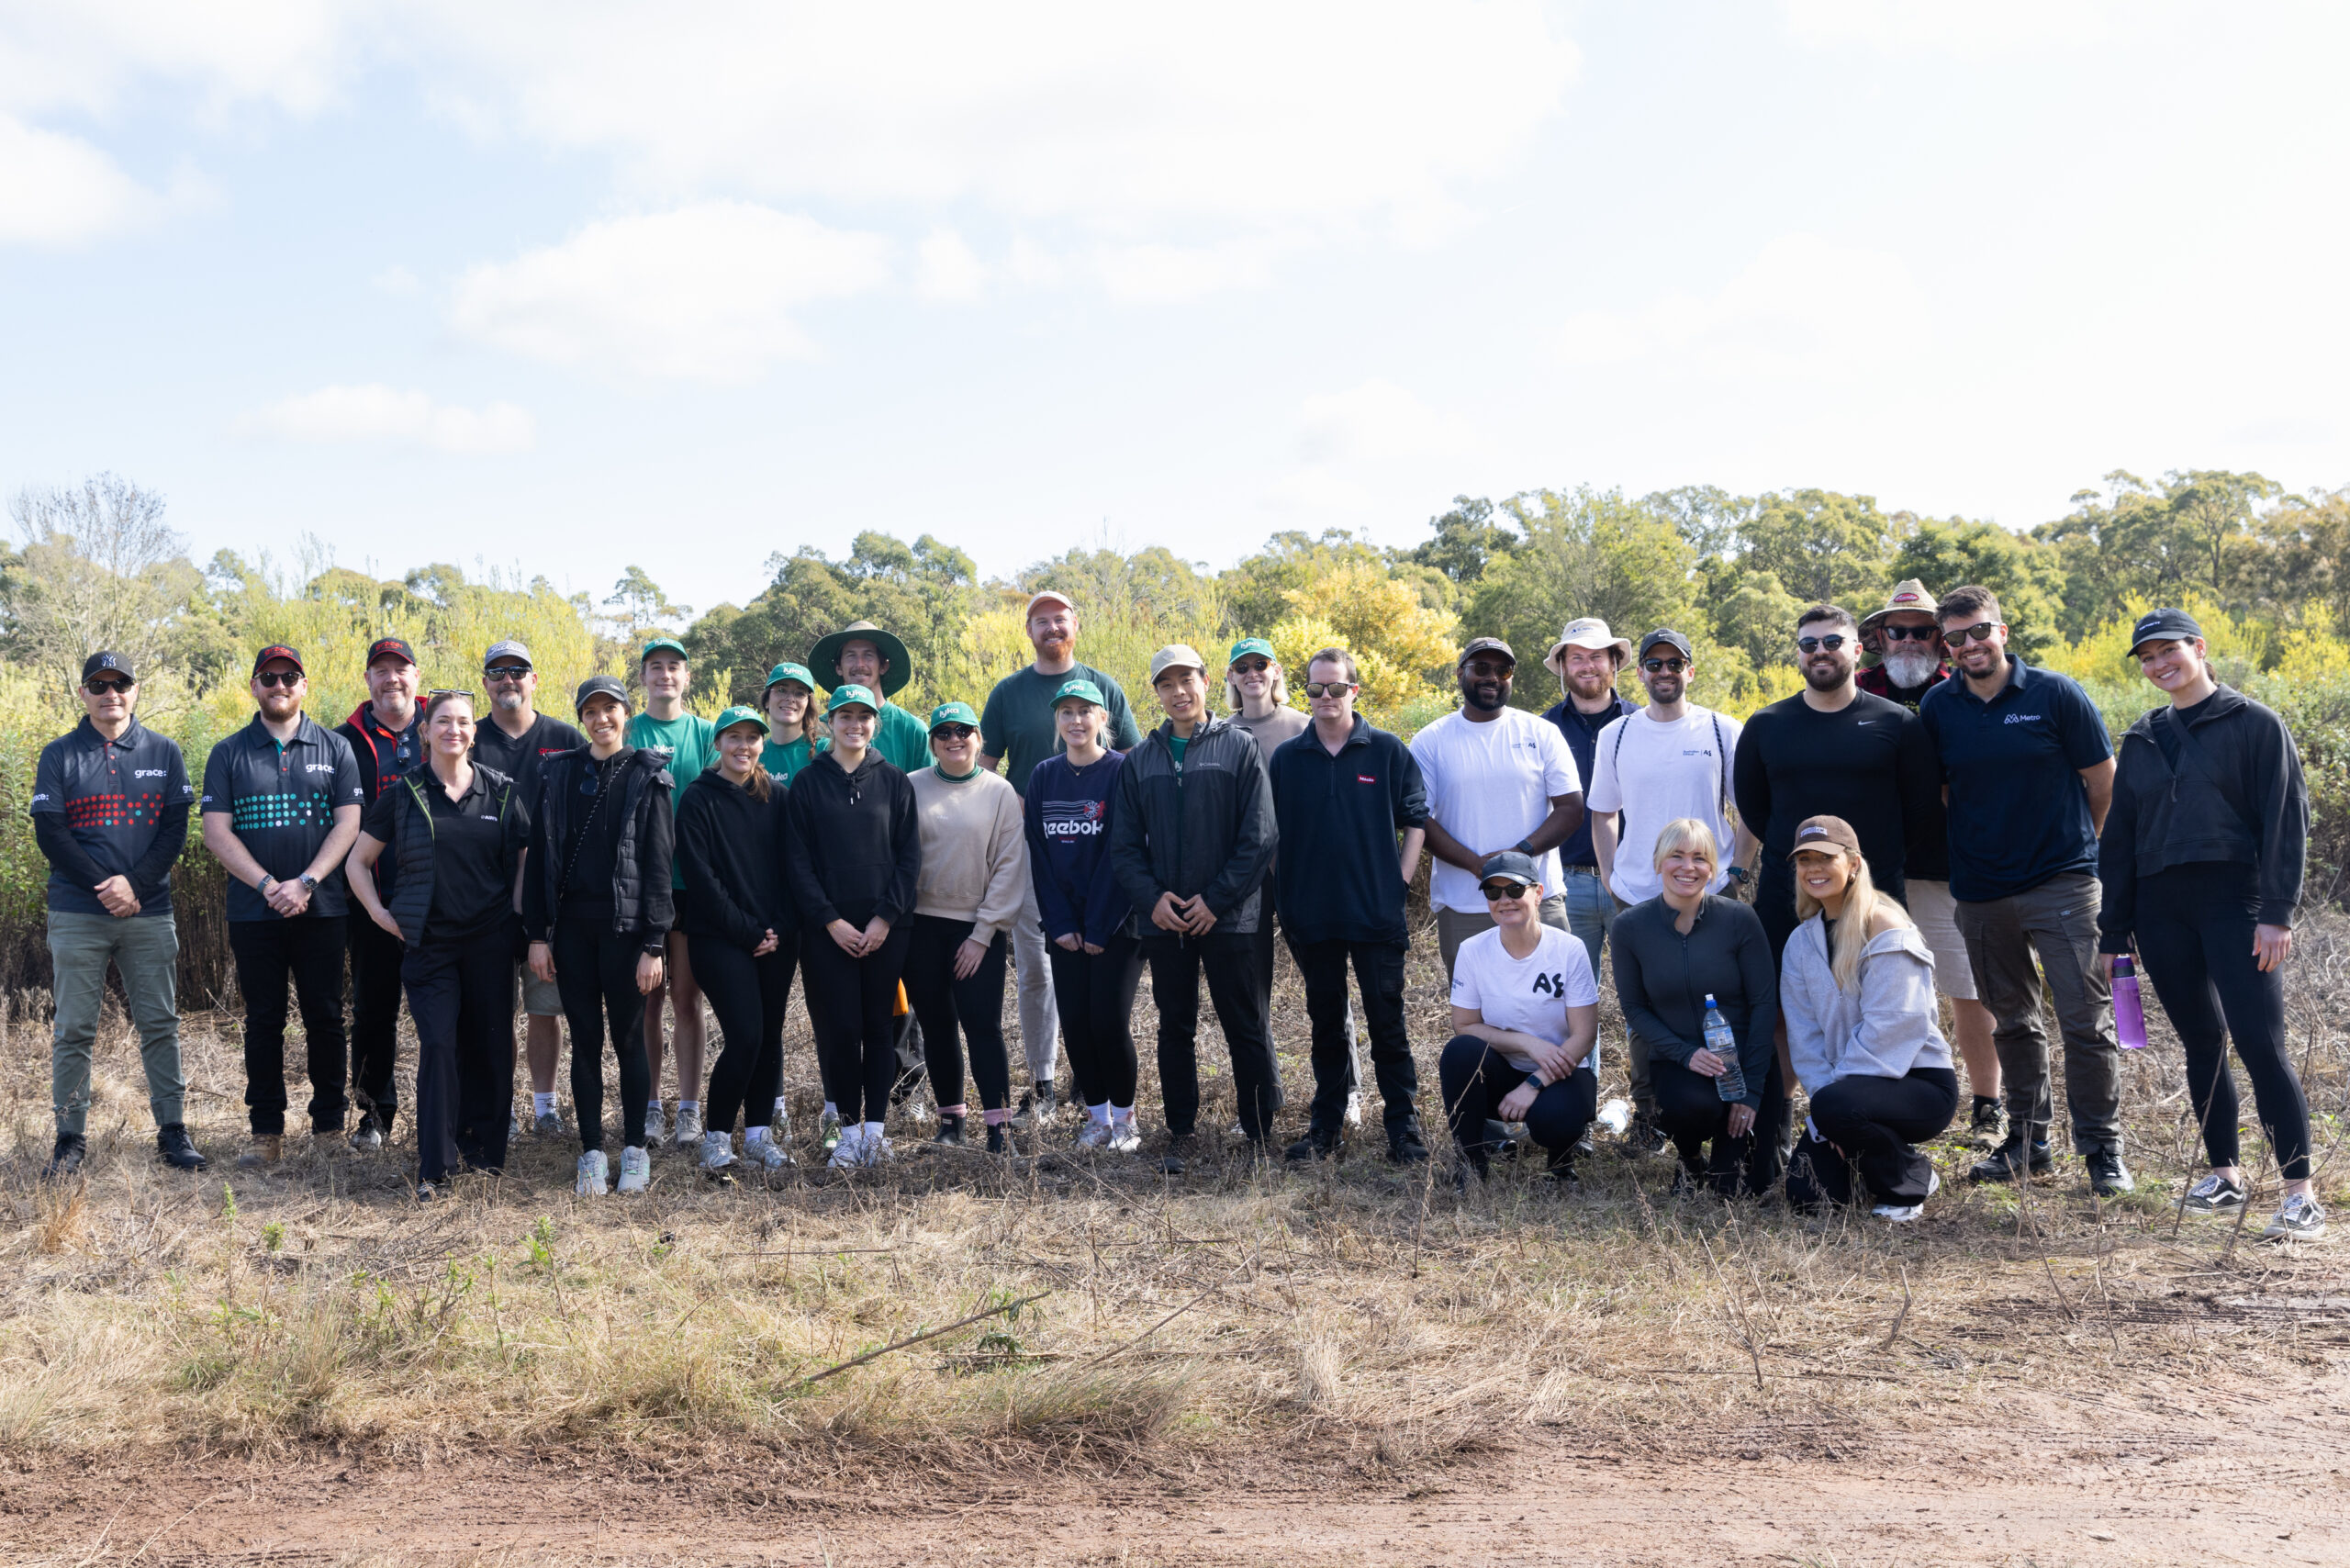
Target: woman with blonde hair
1857	987
1676	954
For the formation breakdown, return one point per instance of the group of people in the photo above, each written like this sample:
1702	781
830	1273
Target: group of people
1934	823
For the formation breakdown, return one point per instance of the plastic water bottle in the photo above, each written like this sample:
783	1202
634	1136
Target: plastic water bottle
1617	1116
1731	1085
2129	1012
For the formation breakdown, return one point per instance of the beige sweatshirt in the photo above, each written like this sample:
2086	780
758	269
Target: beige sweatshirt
974	850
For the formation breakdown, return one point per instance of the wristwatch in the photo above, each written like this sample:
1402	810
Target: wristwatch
1523	846
1738	873
266	882
309	883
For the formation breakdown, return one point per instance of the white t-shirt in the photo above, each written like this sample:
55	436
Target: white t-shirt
1655	774
1490	785
1530	994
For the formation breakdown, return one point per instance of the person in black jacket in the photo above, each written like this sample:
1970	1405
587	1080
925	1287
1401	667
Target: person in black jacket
1190	839
597	907
387	737
852	858
2201	861
731	828
1671	952
457	832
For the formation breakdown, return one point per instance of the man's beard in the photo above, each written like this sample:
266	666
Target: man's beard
1824	675
1907	670
509	702
1475	698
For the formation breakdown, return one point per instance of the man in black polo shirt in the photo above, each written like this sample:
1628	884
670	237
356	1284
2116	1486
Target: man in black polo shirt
515	738
109	809
282	801
2031	775
1342	792
386	743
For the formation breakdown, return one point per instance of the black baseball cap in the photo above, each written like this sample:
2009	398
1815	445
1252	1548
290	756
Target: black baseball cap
1515	864
1484	645
382	645
1669	638
103	660
600	685
2163	626
277	651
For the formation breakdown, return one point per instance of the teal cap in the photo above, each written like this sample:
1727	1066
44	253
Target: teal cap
1082	690
792	672
657	643
739	714
953	714
1257	646
852	696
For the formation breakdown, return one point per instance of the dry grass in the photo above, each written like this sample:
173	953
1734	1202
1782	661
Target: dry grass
1352	1304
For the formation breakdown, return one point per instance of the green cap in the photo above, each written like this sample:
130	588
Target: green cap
792	672
953	714
1081	689
852	696
738	715
1257	646
657	643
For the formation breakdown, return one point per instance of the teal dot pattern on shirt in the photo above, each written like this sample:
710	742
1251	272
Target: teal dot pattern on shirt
251	813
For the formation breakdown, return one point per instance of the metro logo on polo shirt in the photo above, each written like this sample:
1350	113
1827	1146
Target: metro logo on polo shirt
280	802
2018	812
114	796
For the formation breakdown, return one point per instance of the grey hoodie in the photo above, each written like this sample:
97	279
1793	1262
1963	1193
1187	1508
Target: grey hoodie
1884	1031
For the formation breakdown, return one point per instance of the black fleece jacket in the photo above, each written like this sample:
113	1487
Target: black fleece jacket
1202	829
636	813
730	852
2245	804
853	849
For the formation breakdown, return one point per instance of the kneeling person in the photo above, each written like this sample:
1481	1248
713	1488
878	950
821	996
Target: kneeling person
1526	1012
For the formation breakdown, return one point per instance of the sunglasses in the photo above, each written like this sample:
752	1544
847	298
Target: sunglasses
105	687
1251	666
953	733
1503	892
507	672
288	677
438	692
1834	641
1904	633
1659	666
1329	688
1486	670
1978	632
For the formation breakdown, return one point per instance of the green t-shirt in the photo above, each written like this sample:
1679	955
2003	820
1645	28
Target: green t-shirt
901	738
1017	724
1179	744
687	744
785	759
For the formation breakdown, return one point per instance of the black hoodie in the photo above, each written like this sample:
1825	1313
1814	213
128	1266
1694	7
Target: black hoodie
854	848
730	852
2244	804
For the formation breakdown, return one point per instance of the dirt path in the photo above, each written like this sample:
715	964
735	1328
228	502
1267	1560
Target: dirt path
2144	1478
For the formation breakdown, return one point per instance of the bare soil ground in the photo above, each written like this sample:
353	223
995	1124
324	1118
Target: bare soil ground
1347	1364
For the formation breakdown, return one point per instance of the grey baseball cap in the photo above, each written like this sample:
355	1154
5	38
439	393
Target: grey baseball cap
511	650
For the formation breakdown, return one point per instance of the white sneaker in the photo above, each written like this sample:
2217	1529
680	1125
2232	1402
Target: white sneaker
636	1171
1354	1107
1902	1214
848	1145
1095	1136
689	1128
594	1174
717	1152
874	1148
828	1133
2299	1218
768	1154
1123	1138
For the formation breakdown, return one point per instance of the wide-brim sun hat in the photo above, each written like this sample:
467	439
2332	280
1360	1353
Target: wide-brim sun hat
825	656
1908	595
1588	632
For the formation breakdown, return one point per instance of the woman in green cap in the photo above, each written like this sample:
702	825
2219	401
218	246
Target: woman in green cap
731	833
851	859
974	878
793	739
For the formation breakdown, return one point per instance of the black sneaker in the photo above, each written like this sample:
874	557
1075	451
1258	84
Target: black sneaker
1181	1148
1644	1140
174	1149
1405	1144
1319	1143
1988	1126
2215	1195
2109	1177
2007	1161
950	1130
65	1158
1000	1139
1561	1171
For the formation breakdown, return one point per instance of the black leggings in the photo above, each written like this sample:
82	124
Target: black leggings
595	973
1094	993
940	1001
748	995
1875	1121
1476	1078
853	1002
1692	1112
2194	927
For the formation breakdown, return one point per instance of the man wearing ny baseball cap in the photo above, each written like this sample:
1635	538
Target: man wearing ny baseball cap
387	738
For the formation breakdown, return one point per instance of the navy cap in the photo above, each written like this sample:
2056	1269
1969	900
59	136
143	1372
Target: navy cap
278	651
599	686
118	663
388	648
1669	638
2163	626
1515	864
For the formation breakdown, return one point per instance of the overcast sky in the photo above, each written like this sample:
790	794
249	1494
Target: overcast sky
556	287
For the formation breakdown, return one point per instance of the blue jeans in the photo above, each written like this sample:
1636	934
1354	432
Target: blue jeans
1591	909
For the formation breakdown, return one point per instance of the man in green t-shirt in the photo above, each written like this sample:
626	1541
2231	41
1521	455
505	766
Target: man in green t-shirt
861	654
689	745
1016	728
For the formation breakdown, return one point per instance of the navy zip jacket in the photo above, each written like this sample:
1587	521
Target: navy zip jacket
730	851
1202	829
1340	878
1069	816
854	848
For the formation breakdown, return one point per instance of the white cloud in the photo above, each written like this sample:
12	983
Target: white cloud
60	190
1157	274
378	413
1803	307
396	281
1973	28
704	292
948	273
1378	419
92	54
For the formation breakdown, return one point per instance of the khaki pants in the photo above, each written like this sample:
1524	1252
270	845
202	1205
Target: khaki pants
145	948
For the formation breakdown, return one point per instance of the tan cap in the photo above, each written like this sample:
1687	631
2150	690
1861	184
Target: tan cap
1589	633
1175	654
1819	832
1910	595
1048	596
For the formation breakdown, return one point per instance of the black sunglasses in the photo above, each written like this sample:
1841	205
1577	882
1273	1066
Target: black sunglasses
507	672
1252	667
438	692
1488	670
1834	641
1500	893
1903	633
279	677
1658	666
1978	632
953	732
1329	688
101	688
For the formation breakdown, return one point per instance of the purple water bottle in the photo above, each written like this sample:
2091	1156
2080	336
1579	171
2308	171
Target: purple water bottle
2128	1014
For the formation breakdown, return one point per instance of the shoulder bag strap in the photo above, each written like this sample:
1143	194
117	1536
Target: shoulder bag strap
2191	755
